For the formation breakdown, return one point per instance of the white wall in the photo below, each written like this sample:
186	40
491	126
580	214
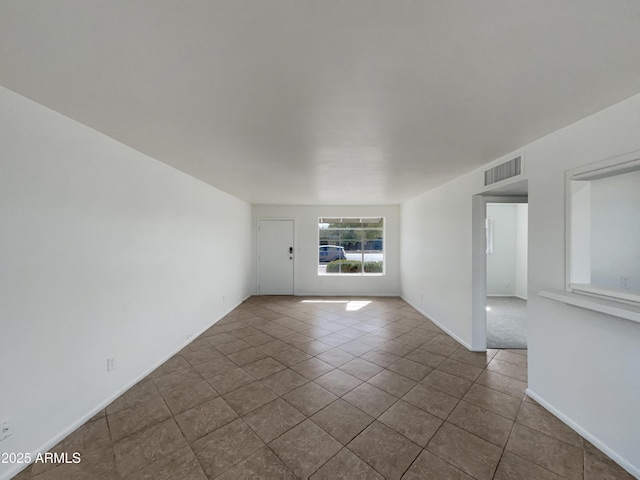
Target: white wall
583	365
507	265
104	252
436	255
306	279
615	231
501	264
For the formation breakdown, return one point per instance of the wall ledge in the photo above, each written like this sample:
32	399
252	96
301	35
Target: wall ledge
608	307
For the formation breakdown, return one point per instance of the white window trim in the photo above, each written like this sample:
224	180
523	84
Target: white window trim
615	302
614	166
363	273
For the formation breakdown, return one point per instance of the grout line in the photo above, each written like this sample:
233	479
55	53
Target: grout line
504	449
244	321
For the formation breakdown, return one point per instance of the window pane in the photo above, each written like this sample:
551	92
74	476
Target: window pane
350	240
372	222
329	237
351	222
351	266
373	251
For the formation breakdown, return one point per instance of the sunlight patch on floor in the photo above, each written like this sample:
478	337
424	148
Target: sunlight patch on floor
351	305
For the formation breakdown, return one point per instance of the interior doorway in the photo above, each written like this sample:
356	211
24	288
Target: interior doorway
506	263
504	304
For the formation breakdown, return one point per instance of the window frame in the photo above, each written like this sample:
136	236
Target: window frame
355	220
611	167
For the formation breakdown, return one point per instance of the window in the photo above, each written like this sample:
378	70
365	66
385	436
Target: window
351	246
603	229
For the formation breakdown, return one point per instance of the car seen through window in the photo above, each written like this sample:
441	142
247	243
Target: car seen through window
329	253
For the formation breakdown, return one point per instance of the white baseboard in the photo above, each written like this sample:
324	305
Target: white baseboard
46	446
635	471
439	324
506	295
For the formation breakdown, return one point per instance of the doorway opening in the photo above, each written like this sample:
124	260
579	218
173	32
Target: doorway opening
506	263
499	267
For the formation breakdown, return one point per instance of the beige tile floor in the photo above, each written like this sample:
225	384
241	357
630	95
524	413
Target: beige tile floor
329	388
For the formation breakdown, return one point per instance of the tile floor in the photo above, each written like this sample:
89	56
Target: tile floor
329	388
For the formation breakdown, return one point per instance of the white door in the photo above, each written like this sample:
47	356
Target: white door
275	257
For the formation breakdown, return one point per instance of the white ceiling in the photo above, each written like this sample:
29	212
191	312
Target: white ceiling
325	101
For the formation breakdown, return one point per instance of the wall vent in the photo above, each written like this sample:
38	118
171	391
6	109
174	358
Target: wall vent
505	170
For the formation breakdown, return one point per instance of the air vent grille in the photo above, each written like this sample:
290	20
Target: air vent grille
501	172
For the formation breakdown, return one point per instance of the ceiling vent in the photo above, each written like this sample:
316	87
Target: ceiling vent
504	171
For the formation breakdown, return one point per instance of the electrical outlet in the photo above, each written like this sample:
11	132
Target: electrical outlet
222	298
5	431
624	283
111	364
